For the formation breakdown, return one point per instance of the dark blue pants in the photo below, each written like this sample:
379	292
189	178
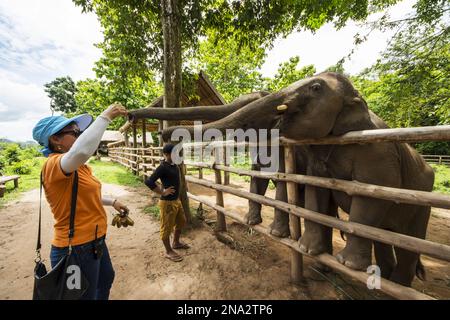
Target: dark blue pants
99	272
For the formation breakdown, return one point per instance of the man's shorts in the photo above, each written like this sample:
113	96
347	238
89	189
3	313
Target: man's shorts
171	216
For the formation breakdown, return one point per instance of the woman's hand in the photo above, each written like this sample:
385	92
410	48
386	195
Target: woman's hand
169	191
120	207
115	110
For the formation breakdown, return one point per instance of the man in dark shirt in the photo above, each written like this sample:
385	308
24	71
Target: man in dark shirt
171	209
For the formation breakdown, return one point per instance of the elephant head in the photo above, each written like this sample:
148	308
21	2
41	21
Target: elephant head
325	104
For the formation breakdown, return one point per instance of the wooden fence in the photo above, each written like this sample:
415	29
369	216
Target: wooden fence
143	160
437	159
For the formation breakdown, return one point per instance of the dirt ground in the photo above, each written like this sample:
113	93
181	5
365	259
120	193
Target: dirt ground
250	266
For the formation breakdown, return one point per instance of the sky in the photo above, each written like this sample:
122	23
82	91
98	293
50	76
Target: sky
45	39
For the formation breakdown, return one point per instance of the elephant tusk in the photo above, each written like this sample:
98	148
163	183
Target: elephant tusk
282	107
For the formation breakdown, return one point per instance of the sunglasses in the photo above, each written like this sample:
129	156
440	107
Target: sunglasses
75	133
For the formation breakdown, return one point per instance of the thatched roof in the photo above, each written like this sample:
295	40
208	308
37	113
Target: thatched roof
206	91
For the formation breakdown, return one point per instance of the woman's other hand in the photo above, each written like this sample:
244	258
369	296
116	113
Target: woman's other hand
120	207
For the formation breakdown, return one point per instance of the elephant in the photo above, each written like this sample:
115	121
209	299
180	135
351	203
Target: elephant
324	105
280	225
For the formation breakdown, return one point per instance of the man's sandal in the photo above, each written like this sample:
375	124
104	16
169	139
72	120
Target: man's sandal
181	246
175	259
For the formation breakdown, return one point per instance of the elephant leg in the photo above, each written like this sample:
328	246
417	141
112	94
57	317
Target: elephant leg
317	238
257	186
357	253
280	225
408	262
406	267
384	255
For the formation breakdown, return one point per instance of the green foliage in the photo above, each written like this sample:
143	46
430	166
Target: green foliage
109	172
410	85
28	166
94	95
11	153
288	73
441	178
152	210
22	167
233	70
62	92
132	29
15	159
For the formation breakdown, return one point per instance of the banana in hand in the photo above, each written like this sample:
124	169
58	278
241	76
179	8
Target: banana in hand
122	220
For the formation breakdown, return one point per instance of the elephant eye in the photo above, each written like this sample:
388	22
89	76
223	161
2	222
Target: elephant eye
315	87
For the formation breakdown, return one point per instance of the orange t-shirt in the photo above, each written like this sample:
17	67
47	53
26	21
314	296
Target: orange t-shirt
89	212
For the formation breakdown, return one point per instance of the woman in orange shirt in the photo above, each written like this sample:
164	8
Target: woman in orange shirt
69	143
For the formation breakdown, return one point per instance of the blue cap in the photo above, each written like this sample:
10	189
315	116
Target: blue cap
50	125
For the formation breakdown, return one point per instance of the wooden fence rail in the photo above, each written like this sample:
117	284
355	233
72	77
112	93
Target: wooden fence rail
142	160
437	159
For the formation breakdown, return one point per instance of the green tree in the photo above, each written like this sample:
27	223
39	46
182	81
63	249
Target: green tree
233	70
94	95
288	73
62	92
410	85
133	36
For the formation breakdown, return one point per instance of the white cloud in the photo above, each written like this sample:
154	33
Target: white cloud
21	100
39	41
327	46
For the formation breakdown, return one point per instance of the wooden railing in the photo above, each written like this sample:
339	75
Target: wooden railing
437	159
143	160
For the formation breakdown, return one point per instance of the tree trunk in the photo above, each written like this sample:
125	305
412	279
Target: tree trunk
170	19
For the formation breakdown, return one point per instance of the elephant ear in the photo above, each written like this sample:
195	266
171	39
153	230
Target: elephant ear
354	116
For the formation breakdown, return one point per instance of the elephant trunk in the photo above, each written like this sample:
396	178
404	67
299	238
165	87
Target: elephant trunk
206	113
263	113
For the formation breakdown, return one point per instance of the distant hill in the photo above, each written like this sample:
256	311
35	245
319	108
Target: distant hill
29	143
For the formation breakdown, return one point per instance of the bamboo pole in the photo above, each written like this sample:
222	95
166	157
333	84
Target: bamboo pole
435	250
221	224
391	288
294	221
431	133
352	188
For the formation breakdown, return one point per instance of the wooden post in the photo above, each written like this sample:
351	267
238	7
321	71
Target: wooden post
226	174
294	221
136	169
144	133
221	224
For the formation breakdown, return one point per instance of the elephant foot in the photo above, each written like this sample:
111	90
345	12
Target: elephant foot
278	229
312	243
353	260
402	278
253	217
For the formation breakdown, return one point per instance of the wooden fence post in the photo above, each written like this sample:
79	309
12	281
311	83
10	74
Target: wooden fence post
294	221
226	174
136	168
144	133
221	224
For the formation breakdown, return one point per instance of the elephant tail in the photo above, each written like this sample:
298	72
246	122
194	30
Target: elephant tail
420	270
